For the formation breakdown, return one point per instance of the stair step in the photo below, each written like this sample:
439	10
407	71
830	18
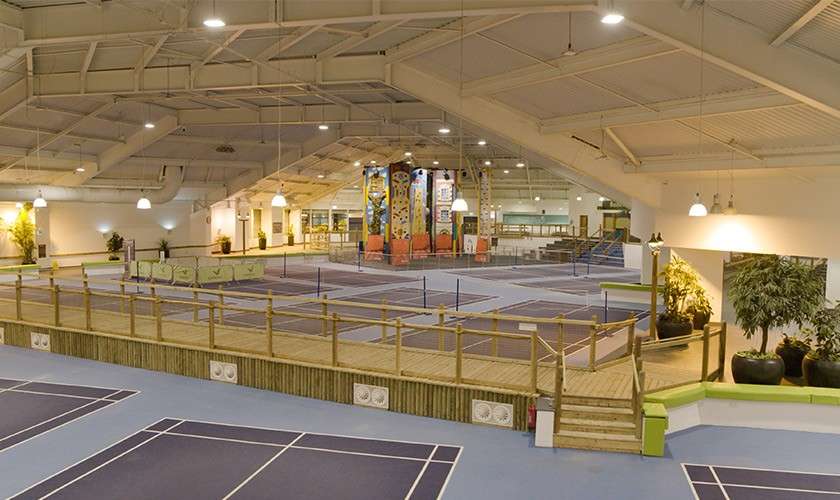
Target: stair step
597	426
597	413
597	441
600	402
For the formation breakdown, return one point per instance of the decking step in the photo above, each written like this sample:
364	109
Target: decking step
597	441
594	401
597	413
597	426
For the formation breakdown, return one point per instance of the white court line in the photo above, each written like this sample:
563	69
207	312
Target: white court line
104	464
65	423
422	471
720	485
272	459
773	488
690	482
14	386
451	470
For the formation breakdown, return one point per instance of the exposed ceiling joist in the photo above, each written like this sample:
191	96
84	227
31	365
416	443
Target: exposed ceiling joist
286	43
91	51
618	142
797	25
350	43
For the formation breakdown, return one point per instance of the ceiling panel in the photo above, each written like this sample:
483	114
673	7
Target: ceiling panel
770	16
822	34
481	58
560	97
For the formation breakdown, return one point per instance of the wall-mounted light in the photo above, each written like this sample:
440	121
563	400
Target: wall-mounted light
323	126
482	142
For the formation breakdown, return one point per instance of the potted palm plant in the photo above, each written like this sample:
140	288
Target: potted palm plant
114	245
821	366
163	246
681	288
224	243
699	308
22	233
262	239
770	292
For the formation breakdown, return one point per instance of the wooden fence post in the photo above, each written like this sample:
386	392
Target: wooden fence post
534	362
334	339
158	320
593	340
722	352
269	327
195	305
131	318
494	341
384	318
88	317
19	297
221	306
211	327
558	375
56	306
704	372
458	355
397	346
631	335
441	333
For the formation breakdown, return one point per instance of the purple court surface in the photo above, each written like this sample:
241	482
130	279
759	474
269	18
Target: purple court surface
188	459
526	272
30	408
717	482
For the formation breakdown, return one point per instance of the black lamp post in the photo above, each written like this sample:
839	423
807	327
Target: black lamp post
655	244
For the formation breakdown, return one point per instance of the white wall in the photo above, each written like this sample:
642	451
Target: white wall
587	206
633	255
832	280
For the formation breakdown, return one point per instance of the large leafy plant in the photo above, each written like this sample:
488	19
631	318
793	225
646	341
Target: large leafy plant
772	292
114	245
22	233
681	291
825	333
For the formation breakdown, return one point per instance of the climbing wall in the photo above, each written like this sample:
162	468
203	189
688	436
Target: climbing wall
444	190
419	205
485	223
376	195
400	203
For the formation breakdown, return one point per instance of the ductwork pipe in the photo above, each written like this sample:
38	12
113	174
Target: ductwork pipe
173	177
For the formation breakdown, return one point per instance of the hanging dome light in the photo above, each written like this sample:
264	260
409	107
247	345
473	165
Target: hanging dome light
730	207
460	204
716	208
143	203
698	209
278	200
39	202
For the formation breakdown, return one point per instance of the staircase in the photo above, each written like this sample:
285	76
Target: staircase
602	424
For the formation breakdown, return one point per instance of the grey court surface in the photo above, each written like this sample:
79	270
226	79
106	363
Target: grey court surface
184	459
580	285
29	409
717	482
537	271
330	276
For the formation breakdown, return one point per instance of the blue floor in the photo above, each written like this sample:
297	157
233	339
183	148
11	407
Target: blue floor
494	464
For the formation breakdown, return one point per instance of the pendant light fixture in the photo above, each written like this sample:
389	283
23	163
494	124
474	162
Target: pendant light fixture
730	207
459	204
716	208
698	209
143	203
39	201
214	21
278	200
569	50
612	16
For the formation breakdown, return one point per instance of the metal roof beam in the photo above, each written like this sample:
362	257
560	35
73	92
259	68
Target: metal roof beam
797	25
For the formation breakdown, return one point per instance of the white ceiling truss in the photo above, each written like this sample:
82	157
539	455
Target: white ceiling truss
79	79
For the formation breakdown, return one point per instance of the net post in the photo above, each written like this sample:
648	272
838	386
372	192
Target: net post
441	333
269	333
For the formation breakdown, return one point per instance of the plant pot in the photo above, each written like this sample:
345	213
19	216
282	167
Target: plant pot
165	253
291	240
225	247
757	371
821	372
263	243
668	329
113	257
792	356
700	320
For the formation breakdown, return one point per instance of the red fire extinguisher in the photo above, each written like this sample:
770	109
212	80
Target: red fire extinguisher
532	416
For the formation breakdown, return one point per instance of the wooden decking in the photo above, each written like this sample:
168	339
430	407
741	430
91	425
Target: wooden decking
482	371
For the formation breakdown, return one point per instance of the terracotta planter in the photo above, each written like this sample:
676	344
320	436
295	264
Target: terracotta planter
757	371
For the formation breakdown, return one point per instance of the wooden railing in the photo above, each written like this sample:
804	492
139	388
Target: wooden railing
208	328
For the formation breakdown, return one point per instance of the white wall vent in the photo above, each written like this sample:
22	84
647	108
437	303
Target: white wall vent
40	341
370	395
490	413
223	372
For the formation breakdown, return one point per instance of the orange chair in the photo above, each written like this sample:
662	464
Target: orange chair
482	248
399	252
420	246
374	247
443	244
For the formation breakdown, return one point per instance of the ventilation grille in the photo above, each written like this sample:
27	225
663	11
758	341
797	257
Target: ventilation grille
370	395
223	372
490	413
40	341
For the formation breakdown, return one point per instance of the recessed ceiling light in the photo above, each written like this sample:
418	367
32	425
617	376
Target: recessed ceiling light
320	176
520	164
80	169
482	142
407	153
323	126
487	162
444	130
373	162
506	171
536	198
214	22
435	162
601	198
335	207
612	18
355	186
579	198
357	163
149	125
